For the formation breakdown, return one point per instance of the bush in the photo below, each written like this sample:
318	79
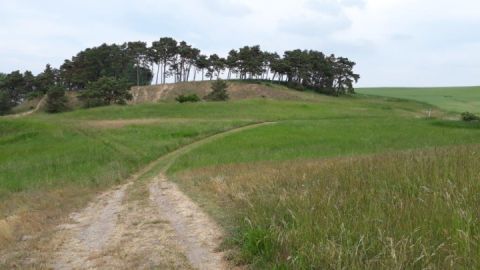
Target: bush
469	117
106	91
187	98
219	91
56	100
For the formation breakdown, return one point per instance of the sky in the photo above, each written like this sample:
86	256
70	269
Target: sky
393	42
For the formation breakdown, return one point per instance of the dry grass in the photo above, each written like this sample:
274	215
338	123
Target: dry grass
236	90
29	218
406	210
116	124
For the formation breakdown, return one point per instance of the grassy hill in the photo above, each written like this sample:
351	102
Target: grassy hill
237	90
358	182
453	99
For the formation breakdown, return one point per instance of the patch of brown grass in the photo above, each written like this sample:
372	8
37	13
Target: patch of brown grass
27	218
115	124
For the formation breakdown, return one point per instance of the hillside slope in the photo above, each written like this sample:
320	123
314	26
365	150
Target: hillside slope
236	90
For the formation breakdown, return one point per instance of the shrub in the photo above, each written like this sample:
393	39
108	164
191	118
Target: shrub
187	98
56	100
468	117
219	91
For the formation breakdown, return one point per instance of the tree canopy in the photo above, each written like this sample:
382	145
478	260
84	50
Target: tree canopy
106	91
137	63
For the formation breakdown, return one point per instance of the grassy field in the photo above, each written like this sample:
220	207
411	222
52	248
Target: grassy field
51	165
335	183
403	210
453	99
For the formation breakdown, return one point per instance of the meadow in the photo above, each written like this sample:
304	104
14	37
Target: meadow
332	183
453	99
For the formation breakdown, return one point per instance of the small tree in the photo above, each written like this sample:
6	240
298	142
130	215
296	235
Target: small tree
56	99
106	91
219	91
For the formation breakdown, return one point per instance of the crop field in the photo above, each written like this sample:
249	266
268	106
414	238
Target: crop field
354	182
452	99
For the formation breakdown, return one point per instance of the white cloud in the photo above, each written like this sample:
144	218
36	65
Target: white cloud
394	42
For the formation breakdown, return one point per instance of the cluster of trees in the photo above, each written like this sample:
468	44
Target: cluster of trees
166	60
17	87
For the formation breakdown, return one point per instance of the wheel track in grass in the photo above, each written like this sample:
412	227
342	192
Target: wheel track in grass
164	229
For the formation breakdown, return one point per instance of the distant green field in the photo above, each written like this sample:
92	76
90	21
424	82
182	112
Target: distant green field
452	99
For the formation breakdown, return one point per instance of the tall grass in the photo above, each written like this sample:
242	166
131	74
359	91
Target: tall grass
330	137
406	210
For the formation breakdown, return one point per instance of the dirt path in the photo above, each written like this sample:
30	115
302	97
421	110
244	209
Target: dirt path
142	225
37	107
89	231
197	234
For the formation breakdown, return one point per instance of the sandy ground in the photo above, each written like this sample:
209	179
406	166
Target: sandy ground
236	91
196	233
167	231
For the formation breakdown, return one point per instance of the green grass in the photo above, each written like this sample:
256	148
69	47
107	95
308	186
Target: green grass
253	110
39	153
453	99
355	182
329	137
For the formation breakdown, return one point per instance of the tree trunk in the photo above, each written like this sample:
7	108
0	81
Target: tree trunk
138	74
164	70
158	71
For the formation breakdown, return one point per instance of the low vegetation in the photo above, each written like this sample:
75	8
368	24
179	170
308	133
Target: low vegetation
187	98
219	91
469	117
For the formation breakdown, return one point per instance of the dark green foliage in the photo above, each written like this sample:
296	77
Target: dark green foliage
187	98
46	79
219	91
56	100
469	117
119	61
163	51
106	91
135	63
5	103
202	63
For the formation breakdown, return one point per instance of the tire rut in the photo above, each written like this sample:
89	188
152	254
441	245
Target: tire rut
198	235
162	230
